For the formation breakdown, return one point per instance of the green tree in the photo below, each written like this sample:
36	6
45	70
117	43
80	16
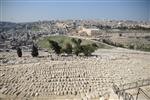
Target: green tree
77	46
77	50
76	42
88	49
34	52
95	45
19	52
55	46
79	41
68	48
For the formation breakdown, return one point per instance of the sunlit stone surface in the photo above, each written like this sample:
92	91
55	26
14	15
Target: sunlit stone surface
73	76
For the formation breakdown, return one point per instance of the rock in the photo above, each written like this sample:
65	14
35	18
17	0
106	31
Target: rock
36	94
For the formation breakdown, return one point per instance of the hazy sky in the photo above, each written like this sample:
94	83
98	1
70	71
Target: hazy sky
34	10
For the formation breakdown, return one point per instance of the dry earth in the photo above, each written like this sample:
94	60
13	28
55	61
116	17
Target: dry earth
74	78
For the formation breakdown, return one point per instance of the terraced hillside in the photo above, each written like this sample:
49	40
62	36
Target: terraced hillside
72	77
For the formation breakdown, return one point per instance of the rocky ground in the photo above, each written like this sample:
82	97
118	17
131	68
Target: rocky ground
51	77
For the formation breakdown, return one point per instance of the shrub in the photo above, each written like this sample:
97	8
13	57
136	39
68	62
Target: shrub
68	48
146	49
120	35
79	41
94	45
113	43
106	41
77	47
55	46
119	45
34	52
76	42
77	50
19	52
131	46
88	49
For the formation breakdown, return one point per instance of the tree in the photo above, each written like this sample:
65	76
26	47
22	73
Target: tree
77	47
88	49
76	42
19	52
94	45
120	35
77	50
34	52
79	41
131	46
68	48
55	46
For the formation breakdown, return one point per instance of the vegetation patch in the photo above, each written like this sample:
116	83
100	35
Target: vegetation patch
63	40
69	45
129	43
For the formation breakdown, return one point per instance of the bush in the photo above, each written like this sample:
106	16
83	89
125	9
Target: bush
120	35
131	46
106	41
119	45
77	50
76	42
88	49
146	49
94	45
79	41
34	52
68	48
19	52
109	42
55	46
